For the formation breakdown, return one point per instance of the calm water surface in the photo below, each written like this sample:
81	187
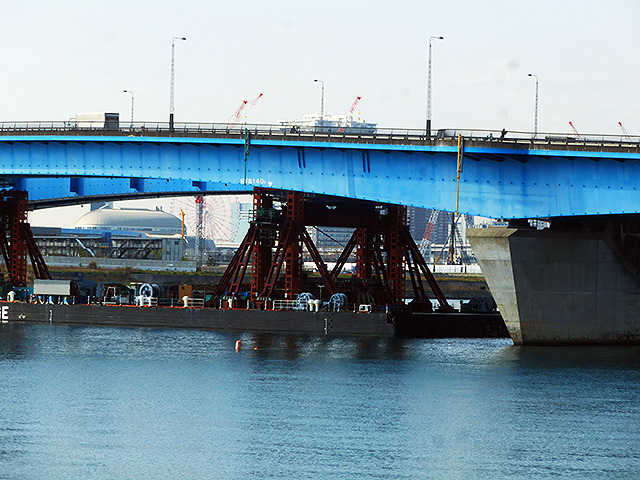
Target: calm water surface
108	403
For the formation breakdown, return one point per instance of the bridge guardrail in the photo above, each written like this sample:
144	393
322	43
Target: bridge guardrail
495	138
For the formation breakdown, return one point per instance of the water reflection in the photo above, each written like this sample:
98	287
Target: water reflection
622	356
12	341
294	346
99	402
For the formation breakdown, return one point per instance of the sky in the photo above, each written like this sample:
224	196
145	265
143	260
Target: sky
66	57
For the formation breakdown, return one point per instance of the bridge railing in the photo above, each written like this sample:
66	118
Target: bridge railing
193	128
497	138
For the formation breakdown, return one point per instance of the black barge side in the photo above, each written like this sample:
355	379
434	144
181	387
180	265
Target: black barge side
402	324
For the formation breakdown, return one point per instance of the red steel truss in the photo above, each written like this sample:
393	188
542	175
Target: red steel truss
277	237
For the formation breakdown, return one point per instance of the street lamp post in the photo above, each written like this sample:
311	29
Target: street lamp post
321	99
129	91
535	118
171	109
429	87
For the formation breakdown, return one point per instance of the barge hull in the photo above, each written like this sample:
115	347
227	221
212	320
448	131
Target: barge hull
334	323
398	324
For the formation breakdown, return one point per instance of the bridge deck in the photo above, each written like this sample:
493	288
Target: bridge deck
381	136
517	175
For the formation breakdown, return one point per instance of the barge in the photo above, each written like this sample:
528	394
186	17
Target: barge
376	323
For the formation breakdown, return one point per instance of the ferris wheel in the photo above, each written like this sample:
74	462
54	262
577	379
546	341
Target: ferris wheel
224	217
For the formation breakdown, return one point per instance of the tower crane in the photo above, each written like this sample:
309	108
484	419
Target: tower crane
349	115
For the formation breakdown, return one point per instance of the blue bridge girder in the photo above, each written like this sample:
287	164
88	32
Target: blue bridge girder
500	179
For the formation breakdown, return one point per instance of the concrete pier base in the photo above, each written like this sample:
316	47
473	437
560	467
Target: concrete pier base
563	286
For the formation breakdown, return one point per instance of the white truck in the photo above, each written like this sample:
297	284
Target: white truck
98	121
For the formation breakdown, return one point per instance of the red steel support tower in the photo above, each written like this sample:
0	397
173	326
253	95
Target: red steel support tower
16	239
294	222
396	252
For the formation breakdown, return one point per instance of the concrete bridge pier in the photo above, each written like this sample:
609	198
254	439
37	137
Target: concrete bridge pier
567	285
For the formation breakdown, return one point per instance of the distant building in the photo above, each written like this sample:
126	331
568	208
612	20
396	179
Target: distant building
117	233
330	241
418	218
67	242
313	123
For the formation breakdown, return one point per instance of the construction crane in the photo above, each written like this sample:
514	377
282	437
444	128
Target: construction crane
574	130
349	115
624	130
235	118
253	102
426	238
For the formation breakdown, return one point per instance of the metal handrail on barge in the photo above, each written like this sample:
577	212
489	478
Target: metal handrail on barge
285	305
193	302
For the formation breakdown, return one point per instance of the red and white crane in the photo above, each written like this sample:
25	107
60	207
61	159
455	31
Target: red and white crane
349	115
253	102
574	130
624	130
426	238
235	118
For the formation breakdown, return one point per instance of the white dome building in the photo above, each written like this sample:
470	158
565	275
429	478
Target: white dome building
151	222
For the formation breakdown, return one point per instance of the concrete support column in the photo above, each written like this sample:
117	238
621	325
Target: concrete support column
562	286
